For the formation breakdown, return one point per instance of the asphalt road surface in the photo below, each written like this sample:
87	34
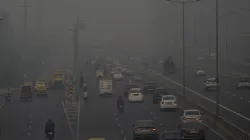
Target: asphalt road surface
26	120
235	100
99	116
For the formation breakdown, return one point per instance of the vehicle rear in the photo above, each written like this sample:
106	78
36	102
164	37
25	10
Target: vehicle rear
26	92
157	97
135	95
127	88
145	131
192	130
168	102
192	116
105	87
58	80
117	76
41	88
149	88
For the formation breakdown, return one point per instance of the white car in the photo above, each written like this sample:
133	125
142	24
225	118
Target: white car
117	76
137	78
191	115
200	72
135	95
168	102
211	84
243	83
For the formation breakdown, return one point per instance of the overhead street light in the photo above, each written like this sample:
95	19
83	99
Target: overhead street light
183	2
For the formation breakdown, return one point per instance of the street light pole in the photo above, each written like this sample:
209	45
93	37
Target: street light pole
25	7
217	59
183	2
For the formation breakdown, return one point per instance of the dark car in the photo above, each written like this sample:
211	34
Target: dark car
128	87
159	92
244	83
171	135
145	129
149	87
192	130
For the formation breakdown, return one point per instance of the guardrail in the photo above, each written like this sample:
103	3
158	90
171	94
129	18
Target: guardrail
202	101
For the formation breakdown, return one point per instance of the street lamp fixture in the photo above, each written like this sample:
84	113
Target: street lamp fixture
183	2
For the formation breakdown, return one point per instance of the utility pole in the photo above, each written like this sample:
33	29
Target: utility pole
217	60
25	7
183	2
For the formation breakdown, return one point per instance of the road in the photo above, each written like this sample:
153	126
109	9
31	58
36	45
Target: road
26	120
99	116
236	100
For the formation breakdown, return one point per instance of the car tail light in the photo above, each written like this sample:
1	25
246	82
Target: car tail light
153	129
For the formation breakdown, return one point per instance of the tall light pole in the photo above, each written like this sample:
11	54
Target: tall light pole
217	58
25	7
183	2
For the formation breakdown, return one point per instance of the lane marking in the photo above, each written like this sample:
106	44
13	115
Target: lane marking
79	109
116	119
248	101
29	134
119	125
241	98
124	138
65	111
244	117
30	127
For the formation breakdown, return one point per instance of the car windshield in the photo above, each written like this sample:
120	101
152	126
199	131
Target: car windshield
211	80
192	112
26	89
135	90
144	124
190	125
168	98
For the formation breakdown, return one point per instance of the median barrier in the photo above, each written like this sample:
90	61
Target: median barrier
225	126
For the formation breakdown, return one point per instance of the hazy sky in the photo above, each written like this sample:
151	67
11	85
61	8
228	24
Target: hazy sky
152	24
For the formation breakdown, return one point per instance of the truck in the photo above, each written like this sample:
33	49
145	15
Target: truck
58	80
105	87
26	92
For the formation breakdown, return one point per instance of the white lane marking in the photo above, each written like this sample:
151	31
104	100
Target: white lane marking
248	101
233	94
244	117
241	98
124	138
29	133
30	127
31	122
119	125
116	119
78	120
114	113
150	113
155	118
121	130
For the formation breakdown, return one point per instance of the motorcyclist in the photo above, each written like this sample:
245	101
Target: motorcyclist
120	102
50	127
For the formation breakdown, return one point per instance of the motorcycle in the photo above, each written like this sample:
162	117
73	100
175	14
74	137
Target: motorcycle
85	95
50	135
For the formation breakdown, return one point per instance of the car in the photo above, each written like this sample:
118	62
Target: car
137	78
144	129
191	115
168	102
128	87
170	135
192	130
117	76
244	83
200	72
158	93
135	95
149	87
211	84
129	72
